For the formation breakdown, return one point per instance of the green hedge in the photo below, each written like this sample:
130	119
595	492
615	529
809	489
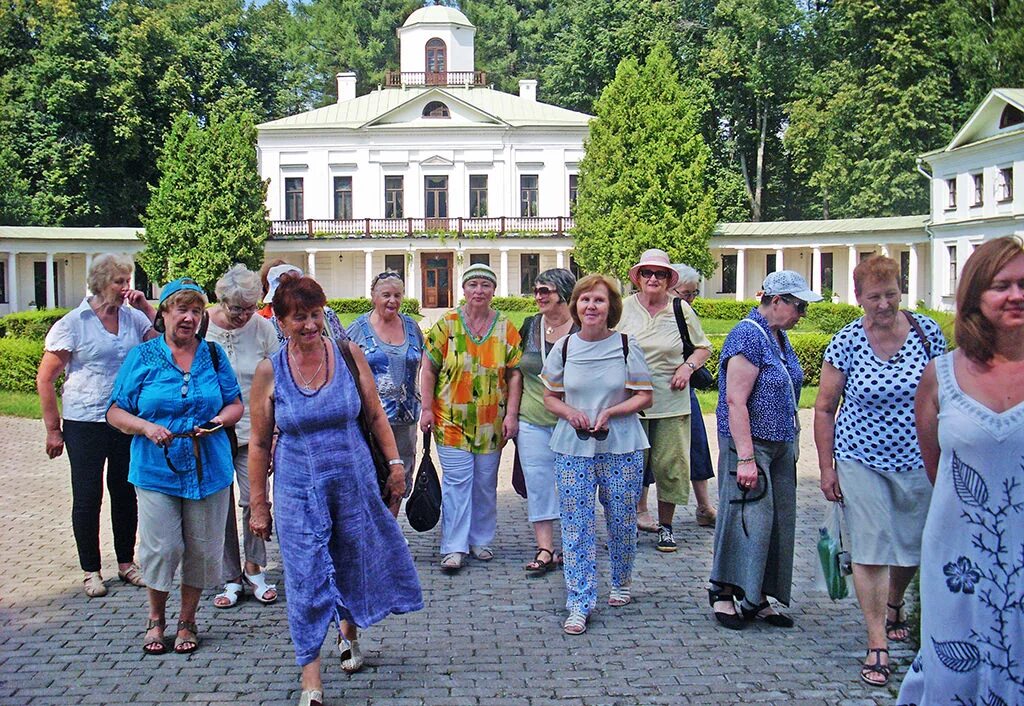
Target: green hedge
360	305
30	324
830	318
20	358
723	308
809	348
514	304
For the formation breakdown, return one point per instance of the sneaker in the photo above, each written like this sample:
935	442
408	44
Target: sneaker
666	542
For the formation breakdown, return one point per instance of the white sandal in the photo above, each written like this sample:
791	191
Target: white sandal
452	561
93	584
619	597
312	697
232	593
258	584
351	656
575	624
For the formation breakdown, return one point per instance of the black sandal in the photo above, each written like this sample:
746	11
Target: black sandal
777	620
877	667
732	621
155	647
894	627
538	567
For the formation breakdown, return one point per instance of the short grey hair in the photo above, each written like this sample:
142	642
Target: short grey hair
107	266
239	284
687	275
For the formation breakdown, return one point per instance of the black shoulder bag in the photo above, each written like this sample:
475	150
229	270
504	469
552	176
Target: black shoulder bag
380	461
701	378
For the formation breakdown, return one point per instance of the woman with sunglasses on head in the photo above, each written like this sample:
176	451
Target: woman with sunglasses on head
393	345
270	278
597	381
551	290
651	317
247	339
759	383
175	399
868	455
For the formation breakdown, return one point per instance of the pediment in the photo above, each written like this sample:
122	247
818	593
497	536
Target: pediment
985	120
437	161
410	113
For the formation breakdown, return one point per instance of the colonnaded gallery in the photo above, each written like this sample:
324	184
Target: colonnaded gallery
435	170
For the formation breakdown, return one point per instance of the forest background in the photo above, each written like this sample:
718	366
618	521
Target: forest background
811	108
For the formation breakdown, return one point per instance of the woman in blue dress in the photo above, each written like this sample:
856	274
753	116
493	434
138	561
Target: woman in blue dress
345	559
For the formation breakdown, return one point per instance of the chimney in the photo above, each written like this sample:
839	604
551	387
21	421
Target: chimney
346	86
528	89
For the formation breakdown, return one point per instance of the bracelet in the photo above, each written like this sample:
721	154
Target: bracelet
748	459
396	462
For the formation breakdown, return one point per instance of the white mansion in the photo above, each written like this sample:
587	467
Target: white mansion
435	170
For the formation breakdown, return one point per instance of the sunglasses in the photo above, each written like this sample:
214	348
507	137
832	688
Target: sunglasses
584	434
800	304
186	378
657	274
544	291
386	275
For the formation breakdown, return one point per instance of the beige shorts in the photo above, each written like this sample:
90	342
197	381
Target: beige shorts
669	457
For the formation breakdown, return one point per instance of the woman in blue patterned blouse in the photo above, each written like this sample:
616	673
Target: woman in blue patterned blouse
759	385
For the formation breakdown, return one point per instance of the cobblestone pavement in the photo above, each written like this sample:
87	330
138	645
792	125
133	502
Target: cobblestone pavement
487	637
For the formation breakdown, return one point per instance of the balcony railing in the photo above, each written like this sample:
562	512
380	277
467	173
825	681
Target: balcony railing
397	79
421	227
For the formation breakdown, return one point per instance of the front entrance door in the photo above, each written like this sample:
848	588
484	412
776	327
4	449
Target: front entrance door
437	280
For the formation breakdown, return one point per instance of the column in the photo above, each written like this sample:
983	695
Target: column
311	263
367	271
560	257
912	277
12	281
88	265
852	263
412	282
816	269
778	260
503	273
741	273
51	293
460	268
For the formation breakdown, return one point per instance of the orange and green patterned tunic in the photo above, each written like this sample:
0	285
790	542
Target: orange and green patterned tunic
471	392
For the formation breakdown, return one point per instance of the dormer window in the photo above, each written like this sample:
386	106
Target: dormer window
1012	115
436	109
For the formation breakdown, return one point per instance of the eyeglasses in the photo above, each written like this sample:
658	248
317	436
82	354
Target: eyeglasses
186	378
584	434
544	291
686	294
657	274
799	304
239	310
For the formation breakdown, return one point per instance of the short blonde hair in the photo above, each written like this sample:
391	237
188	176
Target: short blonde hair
239	284
590	282
105	268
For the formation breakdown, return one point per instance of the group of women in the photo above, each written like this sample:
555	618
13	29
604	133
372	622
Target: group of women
595	391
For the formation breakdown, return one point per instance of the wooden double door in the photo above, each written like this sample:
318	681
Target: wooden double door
437	280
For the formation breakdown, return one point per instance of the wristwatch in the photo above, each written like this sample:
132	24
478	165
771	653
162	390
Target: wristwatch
690	365
396	462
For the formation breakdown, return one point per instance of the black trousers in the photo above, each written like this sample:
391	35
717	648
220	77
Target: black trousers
89	446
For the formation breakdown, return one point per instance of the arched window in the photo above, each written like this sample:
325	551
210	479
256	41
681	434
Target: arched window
436	62
436	109
1012	115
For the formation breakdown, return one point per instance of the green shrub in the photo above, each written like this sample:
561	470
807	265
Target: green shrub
809	349
514	303
945	319
723	308
20	358
830	318
30	324
361	305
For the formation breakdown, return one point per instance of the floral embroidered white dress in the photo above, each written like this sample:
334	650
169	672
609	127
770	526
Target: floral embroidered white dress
972	558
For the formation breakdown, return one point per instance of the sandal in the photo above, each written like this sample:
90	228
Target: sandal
897	630
452	561
575	624
93	584
732	621
619	597
260	587
481	553
133	576
154	646
233	591
645	522
773	618
876	667
538	567
351	656
189	643
312	697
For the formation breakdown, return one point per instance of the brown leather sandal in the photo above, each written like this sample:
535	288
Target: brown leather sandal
876	667
152	646
189	643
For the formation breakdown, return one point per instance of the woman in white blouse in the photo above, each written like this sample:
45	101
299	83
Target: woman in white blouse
89	344
247	339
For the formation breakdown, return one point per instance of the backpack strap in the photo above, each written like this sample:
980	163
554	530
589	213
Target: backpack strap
214	356
625	348
912	320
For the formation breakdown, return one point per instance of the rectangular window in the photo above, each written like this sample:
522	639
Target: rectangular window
393	189
528	195
951	284
529	268
39	275
142	282
729	274
905	273
435	197
342	198
950	194
395	263
293	199
573	180
978	181
1005	185
3	282
769	263
865	255
478	196
827	278
480	258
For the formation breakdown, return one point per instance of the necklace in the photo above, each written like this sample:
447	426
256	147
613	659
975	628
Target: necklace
308	384
549	330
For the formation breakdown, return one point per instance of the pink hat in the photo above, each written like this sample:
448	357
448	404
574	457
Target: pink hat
654	258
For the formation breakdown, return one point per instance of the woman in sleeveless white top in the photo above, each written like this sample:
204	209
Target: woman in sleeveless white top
970	415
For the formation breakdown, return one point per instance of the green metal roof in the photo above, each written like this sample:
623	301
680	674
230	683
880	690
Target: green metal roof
835	226
437	14
56	233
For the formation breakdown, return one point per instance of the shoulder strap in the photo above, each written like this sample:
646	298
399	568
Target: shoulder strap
684	334
912	320
565	349
625	348
214	356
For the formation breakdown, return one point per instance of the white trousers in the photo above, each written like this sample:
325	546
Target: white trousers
469	498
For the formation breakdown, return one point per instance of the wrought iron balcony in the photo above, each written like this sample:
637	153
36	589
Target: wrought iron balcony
421	227
398	79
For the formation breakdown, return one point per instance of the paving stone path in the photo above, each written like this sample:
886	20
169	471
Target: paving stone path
487	637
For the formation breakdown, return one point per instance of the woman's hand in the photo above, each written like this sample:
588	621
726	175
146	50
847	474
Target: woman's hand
426	420
395	488
603	417
578	419
746	475
830	484
259	520
157	434
136	298
54	443
681	378
509	427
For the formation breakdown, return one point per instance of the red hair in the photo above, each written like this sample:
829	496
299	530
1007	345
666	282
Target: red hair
297	292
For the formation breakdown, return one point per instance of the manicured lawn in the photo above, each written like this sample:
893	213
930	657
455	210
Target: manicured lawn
20	404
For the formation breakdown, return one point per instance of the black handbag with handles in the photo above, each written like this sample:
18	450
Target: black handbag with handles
423	508
380	461
701	378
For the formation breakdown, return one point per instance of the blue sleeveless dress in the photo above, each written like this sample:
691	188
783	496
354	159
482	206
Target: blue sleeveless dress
344	555
972	558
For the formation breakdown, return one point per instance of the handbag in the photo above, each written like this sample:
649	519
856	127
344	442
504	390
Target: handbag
702	379
518	477
423	508
835	561
380	461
